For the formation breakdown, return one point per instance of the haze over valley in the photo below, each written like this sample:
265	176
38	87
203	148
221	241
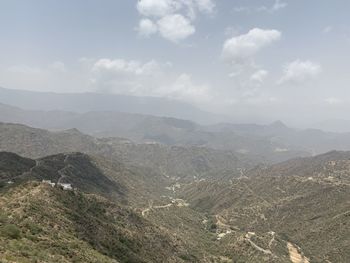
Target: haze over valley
174	131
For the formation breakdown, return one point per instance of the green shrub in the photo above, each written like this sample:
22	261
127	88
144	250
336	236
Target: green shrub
33	228
11	231
3	218
213	227
187	257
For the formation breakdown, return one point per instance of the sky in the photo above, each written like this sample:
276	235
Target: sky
255	60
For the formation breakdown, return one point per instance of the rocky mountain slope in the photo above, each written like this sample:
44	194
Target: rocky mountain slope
90	174
303	204
297	211
108	216
150	129
46	224
271	143
150	202
170	161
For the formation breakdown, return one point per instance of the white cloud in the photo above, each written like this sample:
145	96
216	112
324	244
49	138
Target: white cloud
277	5
146	79
59	66
300	71
172	19
259	76
120	76
160	8
121	66
206	6
239	52
240	49
147	27
185	89
175	27
327	29
333	101
157	8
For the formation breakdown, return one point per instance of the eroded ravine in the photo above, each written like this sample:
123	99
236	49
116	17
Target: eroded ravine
294	254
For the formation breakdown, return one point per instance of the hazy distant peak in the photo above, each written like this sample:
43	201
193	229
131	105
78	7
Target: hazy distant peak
278	124
102	102
73	131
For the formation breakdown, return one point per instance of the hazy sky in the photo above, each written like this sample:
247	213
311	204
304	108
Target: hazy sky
253	59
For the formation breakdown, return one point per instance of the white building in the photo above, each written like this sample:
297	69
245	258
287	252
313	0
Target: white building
49	182
66	186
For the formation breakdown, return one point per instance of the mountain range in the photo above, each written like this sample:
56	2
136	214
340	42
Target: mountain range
87	102
269	143
241	220
111	186
124	205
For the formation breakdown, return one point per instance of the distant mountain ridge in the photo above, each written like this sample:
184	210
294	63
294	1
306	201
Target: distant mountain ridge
163	160
333	125
270	143
87	102
152	129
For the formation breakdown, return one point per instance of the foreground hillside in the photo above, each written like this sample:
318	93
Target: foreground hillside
202	204
297	211
105	217
303	203
90	174
44	224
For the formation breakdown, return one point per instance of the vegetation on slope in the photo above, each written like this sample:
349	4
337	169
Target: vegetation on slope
42	223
